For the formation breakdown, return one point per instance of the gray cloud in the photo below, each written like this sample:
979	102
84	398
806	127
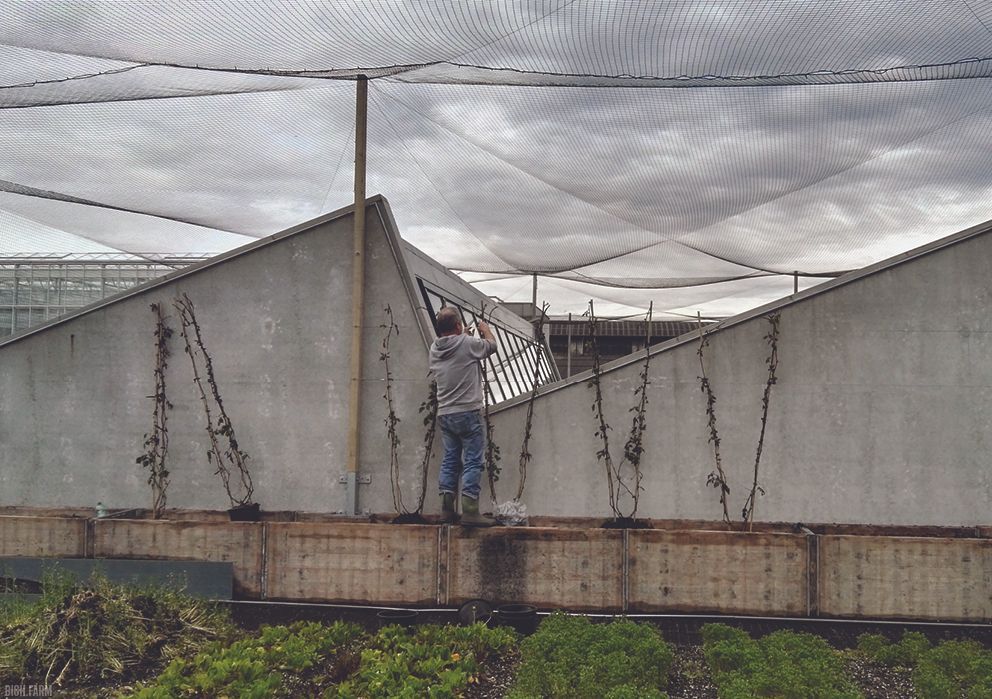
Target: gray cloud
663	184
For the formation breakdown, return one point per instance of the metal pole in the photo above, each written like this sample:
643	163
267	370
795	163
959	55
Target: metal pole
357	295
568	361
533	299
795	282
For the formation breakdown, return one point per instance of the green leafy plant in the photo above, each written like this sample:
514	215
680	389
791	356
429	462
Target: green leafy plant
784	664
232	457
949	670
569	657
430	661
906	653
278	662
157	441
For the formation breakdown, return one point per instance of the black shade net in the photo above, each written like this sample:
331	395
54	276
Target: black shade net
628	147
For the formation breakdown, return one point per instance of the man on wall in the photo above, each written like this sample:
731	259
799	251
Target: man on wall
455	358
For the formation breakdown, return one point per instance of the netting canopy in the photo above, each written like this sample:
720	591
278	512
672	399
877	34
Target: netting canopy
697	154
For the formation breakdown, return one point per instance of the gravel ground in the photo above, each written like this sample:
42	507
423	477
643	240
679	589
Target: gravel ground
689	677
877	681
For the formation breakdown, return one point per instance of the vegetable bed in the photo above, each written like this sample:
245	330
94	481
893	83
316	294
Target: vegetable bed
104	640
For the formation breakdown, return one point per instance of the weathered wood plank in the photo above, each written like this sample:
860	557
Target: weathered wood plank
726	572
239	543
42	536
359	563
906	578
568	568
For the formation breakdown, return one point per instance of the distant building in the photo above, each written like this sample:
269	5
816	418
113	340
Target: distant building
571	342
35	288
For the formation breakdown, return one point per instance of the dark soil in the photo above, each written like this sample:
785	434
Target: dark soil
626	523
495	677
409	518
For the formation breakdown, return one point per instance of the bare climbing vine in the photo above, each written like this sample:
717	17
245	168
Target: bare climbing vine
603	429
392	420
717	478
232	456
525	455
617	477
428	409
157	441
493	456
772	362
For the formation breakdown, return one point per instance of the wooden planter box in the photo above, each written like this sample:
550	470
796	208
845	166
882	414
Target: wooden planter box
42	536
906	578
722	572
355	563
577	569
840	571
238	543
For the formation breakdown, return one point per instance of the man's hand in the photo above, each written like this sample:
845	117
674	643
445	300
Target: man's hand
485	332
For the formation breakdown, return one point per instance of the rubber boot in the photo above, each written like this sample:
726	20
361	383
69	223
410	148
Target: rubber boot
448	515
471	516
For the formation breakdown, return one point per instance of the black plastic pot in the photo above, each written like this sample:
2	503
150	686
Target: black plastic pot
522	617
245	513
403	617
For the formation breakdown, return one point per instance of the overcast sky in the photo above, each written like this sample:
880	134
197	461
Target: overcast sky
639	186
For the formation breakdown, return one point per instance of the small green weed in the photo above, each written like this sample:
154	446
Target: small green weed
570	657
784	664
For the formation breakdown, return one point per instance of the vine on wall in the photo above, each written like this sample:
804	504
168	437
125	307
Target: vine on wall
525	455
231	457
772	362
625	476
718	478
429	411
493	455
157	441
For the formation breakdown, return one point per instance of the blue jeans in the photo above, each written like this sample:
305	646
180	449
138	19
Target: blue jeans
462	435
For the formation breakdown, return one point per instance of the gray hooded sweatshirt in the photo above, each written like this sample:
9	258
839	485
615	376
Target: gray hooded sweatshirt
454	363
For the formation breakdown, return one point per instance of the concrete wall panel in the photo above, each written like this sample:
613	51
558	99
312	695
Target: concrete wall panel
42	536
723	572
228	542
882	412
566	568
276	320
908	578
353	563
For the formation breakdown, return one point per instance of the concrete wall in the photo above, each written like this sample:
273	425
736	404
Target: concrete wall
276	319
882	413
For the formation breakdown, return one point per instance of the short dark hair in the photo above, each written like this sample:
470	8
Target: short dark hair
447	320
